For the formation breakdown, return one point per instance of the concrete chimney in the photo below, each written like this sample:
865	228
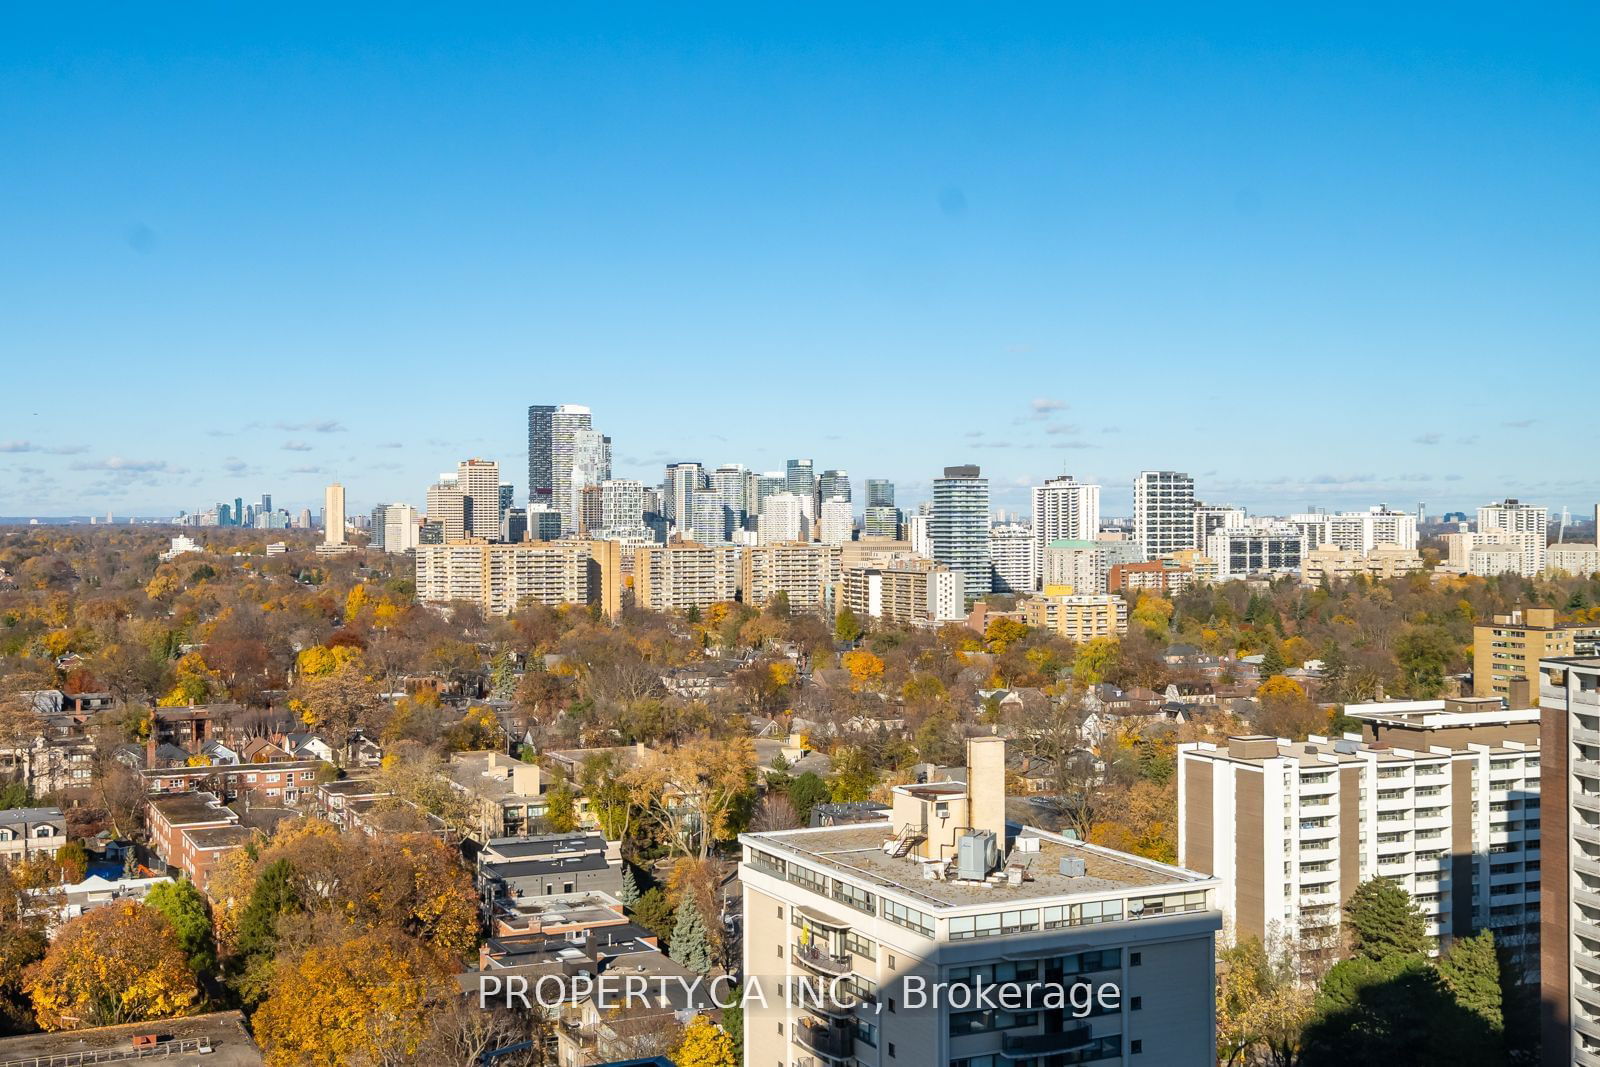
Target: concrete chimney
986	786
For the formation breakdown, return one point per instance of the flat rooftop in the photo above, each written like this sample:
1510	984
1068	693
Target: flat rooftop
857	851
230	1045
221	836
187	809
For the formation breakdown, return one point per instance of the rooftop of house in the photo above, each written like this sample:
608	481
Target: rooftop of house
16	816
220	836
532	868
523	949
567	909
355	787
857	852
188	809
542	846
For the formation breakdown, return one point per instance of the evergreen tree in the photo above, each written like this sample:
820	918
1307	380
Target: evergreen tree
690	946
1272	661
1471	971
629	893
654	913
1384	921
273	896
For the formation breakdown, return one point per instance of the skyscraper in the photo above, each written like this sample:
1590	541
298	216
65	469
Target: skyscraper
682	482
540	455
880	493
959	526
835	483
1513	522
1064	510
837	522
590	464
479	482
333	515
565	424
802	482
447	506
728	483
782	519
1163	512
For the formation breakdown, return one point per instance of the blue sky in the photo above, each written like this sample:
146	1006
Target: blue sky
1312	257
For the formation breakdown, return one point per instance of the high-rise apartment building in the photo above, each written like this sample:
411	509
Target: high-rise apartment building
479	482
567	421
730	484
1013	558
783	519
713	520
1357	531
905	592
1509	646
917	531
398	530
958	526
1210	518
447	506
682	575
333	515
805	573
882	522
837	522
880	493
500	578
622	507
1441	797
1065	510
944	893
1569	891
1239	553
1526	526
678	489
590	466
765	485
541	456
1074	567
1163	512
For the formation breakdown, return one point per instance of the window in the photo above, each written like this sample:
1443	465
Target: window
857	945
1135	959
891	1048
1136	1004
910	918
1136	1046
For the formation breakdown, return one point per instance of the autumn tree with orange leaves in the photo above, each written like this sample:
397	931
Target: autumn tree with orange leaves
116	964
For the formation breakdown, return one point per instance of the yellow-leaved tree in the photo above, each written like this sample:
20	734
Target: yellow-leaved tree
362	999
117	964
704	1044
864	667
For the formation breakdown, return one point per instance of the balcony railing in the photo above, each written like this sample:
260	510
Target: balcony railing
1046	1044
813	958
836	1042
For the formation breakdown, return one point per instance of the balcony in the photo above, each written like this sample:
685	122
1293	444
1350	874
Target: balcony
829	1040
816	960
1584	832
1022	1046
1589	802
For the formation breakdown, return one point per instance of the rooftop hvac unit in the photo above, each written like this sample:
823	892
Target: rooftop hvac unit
976	855
1073	867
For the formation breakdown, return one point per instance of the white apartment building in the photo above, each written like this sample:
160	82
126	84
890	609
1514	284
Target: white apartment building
181	544
591	467
1569	975
1357	531
1442	797
1065	510
783	519
622	507
807	573
500	578
681	575
1525	525
565	423
399	528
1163	512
1209	518
1571	558
917	533
912	592
1013	558
958	526
836	523
944	893
1238	553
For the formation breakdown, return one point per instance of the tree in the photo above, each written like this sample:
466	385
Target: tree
186	912
705	1044
1094	659
561	808
654	912
1259	1004
1424	653
273	896
365	999
73	860
846	627
120	963
689	793
1384	921
629	893
805	792
1471	971
690	946
864	667
1272	662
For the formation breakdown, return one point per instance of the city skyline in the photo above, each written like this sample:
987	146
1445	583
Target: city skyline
1092	242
